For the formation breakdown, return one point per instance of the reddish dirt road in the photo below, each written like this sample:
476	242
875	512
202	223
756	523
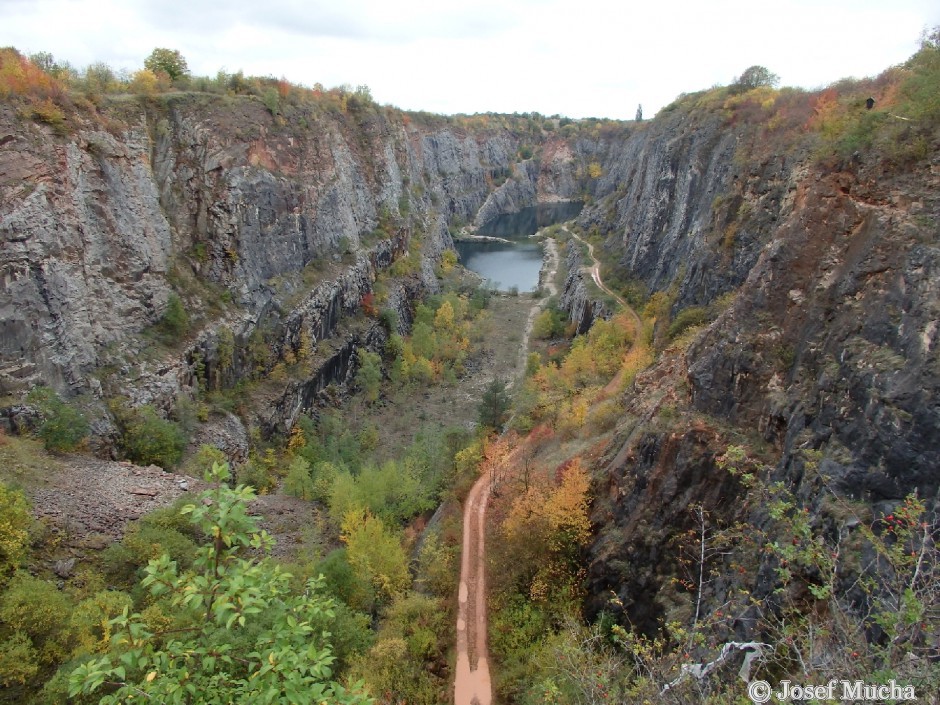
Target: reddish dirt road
472	685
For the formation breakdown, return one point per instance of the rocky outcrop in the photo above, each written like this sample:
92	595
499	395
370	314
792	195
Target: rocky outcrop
831	344
679	210
824	366
270	229
85	255
576	299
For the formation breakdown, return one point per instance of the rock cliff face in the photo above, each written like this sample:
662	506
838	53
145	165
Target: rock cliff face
264	226
576	299
669	194
832	344
825	361
86	250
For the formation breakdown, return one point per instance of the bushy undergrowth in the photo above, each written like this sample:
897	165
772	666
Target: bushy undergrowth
149	439
64	427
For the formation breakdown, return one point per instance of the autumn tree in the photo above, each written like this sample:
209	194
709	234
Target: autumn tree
756	77
369	375
169	61
375	554
544	530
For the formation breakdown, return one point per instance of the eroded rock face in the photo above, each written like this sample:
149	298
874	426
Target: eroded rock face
86	249
832	344
826	360
575	297
669	194
207	197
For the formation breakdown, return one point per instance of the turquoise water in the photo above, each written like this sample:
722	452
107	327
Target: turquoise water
516	263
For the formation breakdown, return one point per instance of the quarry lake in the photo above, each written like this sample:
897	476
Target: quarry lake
515	263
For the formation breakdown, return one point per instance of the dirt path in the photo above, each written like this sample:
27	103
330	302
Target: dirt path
595	269
472	685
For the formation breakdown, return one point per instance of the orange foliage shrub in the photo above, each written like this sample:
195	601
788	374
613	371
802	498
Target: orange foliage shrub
368	305
556	517
21	77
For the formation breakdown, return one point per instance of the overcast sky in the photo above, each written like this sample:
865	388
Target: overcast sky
579	58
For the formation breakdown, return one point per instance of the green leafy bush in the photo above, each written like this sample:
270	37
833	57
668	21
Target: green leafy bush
19	660
205	457
161	531
369	374
239	634
686	318
64	427
148	439
175	321
35	608
15	519
550	323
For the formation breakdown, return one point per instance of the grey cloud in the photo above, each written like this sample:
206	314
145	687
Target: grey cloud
353	19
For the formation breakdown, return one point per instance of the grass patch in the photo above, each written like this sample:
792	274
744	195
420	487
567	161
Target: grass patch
24	462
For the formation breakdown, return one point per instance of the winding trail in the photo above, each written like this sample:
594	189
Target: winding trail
472	684
638	346
595	271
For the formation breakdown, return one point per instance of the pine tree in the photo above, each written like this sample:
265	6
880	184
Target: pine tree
494	406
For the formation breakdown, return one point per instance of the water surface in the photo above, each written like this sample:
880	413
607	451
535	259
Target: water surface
513	264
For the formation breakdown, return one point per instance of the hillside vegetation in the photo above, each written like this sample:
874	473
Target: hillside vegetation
728	475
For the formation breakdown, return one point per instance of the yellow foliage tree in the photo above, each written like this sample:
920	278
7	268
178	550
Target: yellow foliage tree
305	352
145	82
297	440
556	517
14	532
444	318
567	507
448	261
375	553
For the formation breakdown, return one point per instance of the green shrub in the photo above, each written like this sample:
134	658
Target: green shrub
175	321
369	374
255	473
149	439
388	317
344	583
686	318
14	533
149	541
36	609
405	662
19	660
64	427
161	531
550	323
271	100
202	459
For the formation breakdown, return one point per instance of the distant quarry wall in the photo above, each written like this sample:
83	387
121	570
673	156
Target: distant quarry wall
269	230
